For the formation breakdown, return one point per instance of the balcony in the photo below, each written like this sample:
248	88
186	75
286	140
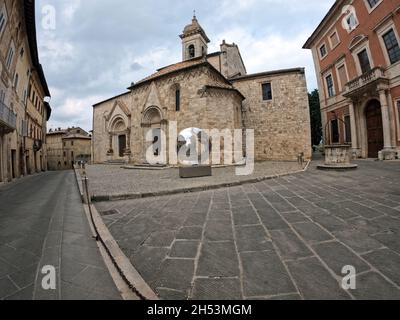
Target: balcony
367	82
8	119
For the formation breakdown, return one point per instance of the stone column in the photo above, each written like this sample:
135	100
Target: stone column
110	140
354	139
385	120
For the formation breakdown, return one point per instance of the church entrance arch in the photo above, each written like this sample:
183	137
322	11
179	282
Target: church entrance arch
153	121
119	137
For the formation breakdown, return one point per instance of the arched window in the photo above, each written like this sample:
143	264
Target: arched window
177	99
192	51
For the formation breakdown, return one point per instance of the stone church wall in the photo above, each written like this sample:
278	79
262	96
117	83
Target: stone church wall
282	125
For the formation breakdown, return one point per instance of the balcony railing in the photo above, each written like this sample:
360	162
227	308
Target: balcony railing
365	79
8	119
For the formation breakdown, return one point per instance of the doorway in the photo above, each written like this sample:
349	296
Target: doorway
374	128
121	145
13	163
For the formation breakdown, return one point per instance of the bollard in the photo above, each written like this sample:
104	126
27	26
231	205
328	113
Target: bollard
85	187
300	158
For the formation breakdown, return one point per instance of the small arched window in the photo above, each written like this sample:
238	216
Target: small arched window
177	99
16	81
192	51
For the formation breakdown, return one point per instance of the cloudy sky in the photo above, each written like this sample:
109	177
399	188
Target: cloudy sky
98	47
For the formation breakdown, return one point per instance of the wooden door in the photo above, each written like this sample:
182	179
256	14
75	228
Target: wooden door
121	145
374	129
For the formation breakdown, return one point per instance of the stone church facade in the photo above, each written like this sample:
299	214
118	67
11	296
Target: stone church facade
206	91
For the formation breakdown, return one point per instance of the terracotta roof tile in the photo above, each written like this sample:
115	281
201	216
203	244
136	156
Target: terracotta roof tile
173	68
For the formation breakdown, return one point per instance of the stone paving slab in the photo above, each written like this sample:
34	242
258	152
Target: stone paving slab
285	238
110	181
45	224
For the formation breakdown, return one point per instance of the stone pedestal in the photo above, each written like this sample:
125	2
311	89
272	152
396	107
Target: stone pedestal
195	171
338	157
388	154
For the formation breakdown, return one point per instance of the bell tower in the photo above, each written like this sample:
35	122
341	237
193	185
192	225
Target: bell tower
194	41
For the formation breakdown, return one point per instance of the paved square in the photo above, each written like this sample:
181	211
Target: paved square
285	238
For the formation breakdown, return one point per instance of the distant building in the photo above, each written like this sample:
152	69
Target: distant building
66	147
206	91
23	88
357	59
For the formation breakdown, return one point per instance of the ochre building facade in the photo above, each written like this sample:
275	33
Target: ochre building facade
23	110
67	147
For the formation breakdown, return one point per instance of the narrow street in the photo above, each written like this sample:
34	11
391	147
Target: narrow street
42	223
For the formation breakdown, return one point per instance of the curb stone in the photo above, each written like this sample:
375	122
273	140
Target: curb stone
127	271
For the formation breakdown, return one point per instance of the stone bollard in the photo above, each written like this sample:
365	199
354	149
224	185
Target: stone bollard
300	158
85	187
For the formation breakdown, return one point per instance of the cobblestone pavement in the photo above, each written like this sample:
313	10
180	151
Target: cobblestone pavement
286	238
42	222
111	180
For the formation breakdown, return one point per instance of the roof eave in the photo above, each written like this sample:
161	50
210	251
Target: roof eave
29	11
322	24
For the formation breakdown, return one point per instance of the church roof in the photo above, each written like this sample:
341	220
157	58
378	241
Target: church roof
194	28
267	73
178	67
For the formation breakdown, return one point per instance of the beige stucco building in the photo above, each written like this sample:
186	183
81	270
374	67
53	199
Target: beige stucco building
66	147
23	110
206	91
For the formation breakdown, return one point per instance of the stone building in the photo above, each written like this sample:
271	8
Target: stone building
207	91
357	59
66	147
23	110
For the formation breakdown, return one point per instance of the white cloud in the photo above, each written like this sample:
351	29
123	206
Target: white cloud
69	10
272	51
74	112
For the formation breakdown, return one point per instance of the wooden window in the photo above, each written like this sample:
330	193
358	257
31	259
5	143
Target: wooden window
267	91
3	19
342	76
373	3
364	61
10	56
334	39
329	86
352	22
392	46
16	82
322	51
